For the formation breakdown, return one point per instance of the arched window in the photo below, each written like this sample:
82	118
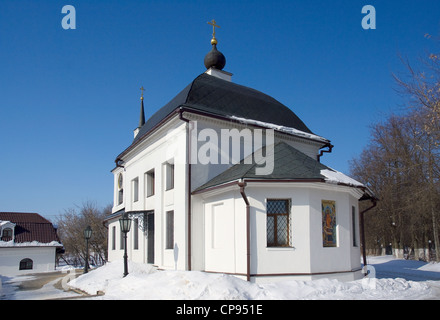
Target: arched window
26	264
7	234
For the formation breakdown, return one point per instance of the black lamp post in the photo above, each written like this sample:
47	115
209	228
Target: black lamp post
87	236
125	223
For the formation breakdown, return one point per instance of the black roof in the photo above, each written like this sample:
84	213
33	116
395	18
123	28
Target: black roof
289	164
222	98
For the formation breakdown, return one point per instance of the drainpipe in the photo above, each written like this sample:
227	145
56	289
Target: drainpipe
329	150
242	185
188	158
362	229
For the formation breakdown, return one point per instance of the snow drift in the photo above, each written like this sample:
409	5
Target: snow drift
145	282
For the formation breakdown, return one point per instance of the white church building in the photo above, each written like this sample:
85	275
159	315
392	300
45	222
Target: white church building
226	179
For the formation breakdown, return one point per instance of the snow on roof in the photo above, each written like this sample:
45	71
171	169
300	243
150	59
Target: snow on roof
5	222
12	243
334	176
284	129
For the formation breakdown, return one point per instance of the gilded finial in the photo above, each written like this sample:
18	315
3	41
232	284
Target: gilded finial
214	25
142	92
214	58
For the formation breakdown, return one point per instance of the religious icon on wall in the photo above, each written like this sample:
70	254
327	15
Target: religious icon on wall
328	223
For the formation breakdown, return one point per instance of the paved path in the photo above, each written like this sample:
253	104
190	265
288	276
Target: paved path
406	269
41	286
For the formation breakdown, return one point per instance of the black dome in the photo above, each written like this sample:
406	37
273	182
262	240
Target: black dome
215	59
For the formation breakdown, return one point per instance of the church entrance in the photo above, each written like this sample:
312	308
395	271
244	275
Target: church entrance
150	236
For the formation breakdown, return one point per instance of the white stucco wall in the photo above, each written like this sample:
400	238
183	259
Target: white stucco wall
222	213
166	145
275	260
43	259
345	256
224	225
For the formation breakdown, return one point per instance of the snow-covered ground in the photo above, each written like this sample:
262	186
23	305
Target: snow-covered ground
395	279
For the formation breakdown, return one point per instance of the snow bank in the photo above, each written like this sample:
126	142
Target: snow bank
109	275
145	282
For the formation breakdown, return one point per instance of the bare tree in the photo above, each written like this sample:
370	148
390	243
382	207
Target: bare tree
71	225
423	89
401	164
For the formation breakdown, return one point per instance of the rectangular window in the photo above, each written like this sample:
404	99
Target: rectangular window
120	196
135	189
6	234
135	234
278	223
353	221
169	171
170	230
149	183
114	238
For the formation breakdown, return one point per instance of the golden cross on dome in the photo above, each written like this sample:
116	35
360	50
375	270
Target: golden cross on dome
214	25
142	92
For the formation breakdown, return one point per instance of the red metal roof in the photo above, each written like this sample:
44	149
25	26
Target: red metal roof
30	227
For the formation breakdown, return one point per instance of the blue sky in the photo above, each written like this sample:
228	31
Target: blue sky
69	99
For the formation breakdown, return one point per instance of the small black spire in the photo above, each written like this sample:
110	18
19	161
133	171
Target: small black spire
142	115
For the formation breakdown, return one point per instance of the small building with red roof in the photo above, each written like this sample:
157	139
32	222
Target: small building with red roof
28	243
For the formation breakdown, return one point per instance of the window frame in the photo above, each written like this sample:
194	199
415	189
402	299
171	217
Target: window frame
150	181
169	175
353	226
7	234
288	214
169	232
26	264
135	234
113	238
120	186
135	189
